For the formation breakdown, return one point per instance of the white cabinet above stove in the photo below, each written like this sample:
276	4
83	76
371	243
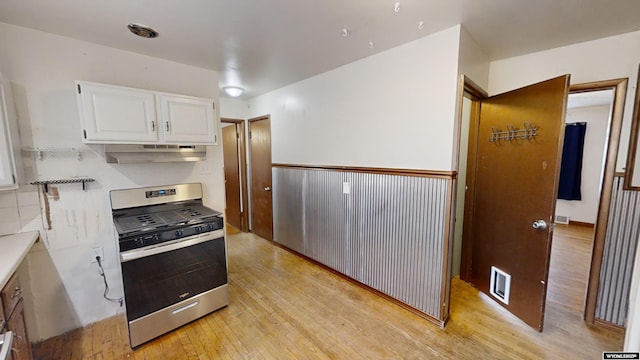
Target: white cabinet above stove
121	115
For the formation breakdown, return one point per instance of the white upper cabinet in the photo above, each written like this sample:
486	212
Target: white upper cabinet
8	175
120	115
116	114
187	120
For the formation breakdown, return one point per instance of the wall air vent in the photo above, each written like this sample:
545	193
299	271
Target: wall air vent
500	285
561	219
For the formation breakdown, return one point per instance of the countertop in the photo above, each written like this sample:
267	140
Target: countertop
13	249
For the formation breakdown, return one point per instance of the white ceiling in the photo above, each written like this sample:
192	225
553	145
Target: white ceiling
262	45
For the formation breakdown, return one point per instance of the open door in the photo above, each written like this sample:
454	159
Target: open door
235	180
514	161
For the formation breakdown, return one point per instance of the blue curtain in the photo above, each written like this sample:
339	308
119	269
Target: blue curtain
571	167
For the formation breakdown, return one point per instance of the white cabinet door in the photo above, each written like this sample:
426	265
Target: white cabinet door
114	114
7	162
187	120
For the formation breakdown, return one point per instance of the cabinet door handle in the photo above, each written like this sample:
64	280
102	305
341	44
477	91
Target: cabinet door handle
16	293
153	126
167	125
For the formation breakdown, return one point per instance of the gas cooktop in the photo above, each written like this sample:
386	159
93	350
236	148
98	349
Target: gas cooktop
153	218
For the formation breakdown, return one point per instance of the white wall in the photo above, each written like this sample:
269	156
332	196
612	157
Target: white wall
473	61
234	108
603	59
395	109
67	289
597	119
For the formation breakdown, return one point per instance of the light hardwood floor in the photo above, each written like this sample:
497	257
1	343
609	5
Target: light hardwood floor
283	307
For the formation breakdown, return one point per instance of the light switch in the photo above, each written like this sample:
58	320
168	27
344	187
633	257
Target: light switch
346	188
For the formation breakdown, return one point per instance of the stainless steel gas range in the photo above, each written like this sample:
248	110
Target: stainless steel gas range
172	255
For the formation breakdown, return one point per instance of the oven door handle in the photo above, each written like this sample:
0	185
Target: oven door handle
159	249
6	341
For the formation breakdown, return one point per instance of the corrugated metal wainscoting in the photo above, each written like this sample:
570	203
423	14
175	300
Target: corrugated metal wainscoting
620	246
385	231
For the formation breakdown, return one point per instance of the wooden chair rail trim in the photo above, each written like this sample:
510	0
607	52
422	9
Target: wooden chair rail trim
430	318
441	174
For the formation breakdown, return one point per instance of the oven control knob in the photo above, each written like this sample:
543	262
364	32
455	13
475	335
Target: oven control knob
210	227
198	229
178	233
140	241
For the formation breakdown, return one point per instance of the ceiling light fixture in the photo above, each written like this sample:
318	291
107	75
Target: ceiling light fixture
345	32
420	25
233	91
396	7
370	44
143	31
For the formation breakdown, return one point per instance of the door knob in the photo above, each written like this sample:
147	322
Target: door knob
539	225
267	189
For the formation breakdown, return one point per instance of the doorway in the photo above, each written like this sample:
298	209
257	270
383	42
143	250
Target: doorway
235	174
588	117
260	160
470	97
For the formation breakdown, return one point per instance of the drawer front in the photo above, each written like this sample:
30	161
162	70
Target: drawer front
3	322
21	349
11	295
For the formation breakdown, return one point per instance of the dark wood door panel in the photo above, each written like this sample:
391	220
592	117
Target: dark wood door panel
261	195
516	184
233	211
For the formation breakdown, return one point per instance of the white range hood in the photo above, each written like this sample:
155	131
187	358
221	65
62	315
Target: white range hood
133	154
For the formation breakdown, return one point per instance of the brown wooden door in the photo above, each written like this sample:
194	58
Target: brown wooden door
230	144
261	198
513	182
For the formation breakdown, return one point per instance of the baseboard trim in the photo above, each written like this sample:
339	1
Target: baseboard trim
609	326
580	223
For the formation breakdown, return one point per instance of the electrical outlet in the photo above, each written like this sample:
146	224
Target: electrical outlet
96	251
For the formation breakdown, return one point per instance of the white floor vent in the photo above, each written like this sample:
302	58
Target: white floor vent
500	284
561	219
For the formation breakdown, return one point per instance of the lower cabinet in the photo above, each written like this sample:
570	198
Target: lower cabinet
21	347
14	314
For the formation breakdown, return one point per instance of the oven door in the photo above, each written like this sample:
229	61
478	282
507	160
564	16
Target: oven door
157	277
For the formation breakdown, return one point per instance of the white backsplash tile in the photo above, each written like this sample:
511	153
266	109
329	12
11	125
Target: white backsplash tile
8	199
9	221
29	213
28	198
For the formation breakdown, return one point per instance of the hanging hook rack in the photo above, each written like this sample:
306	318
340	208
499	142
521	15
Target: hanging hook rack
45	183
40	152
512	133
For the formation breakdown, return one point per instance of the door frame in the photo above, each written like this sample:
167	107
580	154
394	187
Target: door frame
619	87
242	155
476	93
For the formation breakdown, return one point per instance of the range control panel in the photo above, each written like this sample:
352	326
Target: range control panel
160	193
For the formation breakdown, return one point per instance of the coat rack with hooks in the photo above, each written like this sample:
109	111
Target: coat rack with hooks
512	133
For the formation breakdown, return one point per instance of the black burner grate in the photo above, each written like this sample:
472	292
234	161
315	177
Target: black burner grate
150	220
